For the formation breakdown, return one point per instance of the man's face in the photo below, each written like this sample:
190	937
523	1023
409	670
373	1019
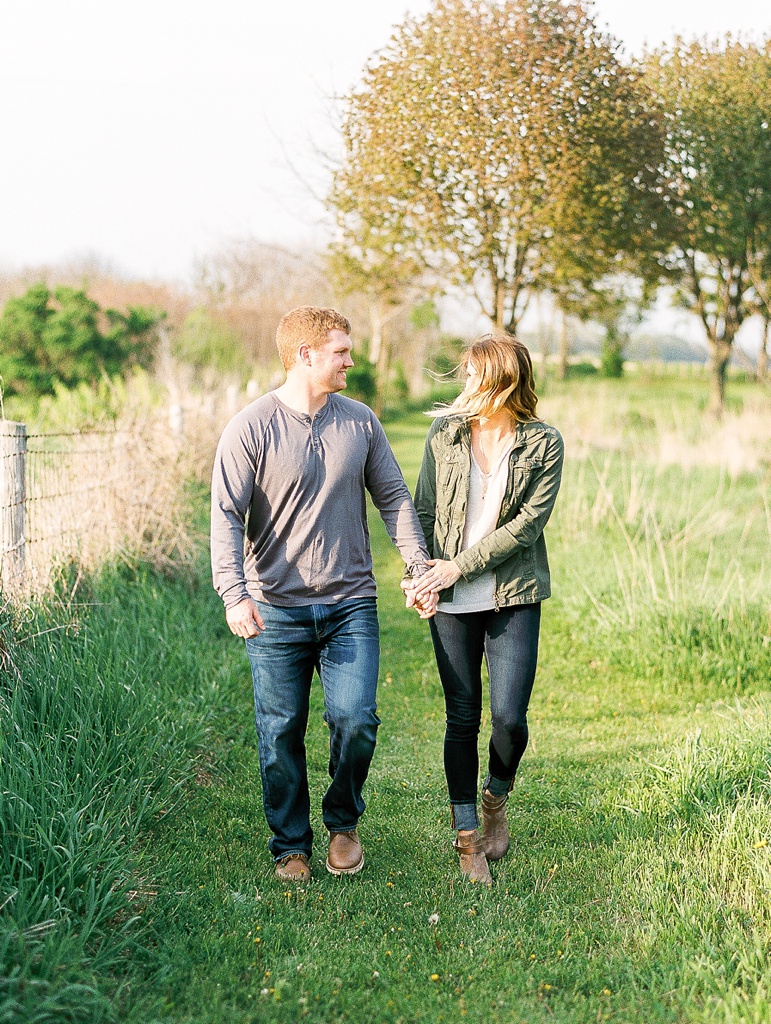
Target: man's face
331	362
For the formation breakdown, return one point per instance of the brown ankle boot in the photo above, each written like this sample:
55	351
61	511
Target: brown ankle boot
494	825
346	856
473	863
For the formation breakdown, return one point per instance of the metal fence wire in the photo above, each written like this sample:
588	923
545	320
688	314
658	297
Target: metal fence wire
58	494
77	497
71	485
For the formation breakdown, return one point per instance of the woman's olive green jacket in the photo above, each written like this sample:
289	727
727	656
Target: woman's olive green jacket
515	550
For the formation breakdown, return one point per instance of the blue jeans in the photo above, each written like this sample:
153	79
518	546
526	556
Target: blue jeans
342	642
508	641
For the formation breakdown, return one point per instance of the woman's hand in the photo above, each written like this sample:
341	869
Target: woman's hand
441	575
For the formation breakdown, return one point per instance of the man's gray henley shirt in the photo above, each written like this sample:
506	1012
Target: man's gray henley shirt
295	485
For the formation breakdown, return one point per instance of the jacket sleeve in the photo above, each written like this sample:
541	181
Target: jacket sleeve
425	491
527	525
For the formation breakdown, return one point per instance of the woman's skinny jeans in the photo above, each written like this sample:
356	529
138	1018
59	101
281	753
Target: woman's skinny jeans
508	641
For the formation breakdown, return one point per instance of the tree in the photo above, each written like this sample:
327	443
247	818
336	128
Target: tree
364	264
66	338
759	270
488	140
718	166
248	285
208	345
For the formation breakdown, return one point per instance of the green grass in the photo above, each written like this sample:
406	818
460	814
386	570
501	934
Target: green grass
638	883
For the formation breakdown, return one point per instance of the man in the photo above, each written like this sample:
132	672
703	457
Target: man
291	471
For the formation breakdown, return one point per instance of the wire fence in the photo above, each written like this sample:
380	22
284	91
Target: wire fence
77	498
71	488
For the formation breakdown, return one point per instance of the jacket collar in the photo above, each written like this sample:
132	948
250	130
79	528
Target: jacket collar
459	432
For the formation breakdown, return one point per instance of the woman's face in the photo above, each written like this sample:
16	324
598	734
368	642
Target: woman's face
472	378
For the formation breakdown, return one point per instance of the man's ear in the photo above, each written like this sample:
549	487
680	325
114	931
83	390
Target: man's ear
304	354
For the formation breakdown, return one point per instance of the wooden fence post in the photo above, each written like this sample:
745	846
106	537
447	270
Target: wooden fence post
177	419
13	465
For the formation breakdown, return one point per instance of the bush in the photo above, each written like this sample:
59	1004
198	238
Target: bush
210	346
65	338
612	354
362	381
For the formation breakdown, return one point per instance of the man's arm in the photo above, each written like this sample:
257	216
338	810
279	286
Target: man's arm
232	488
391	497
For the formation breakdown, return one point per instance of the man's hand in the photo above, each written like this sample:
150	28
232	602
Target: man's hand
244	618
425	605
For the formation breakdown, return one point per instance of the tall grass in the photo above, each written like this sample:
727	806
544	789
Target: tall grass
100	718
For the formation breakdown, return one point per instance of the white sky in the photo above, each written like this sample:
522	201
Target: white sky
149	131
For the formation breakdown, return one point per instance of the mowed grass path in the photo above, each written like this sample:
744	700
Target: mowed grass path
637	888
632	892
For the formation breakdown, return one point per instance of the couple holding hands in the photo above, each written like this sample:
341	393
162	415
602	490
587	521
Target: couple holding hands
291	561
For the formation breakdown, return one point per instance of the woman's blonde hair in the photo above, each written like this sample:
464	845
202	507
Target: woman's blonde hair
505	383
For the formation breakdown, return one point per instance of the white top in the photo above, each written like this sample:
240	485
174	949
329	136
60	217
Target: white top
486	491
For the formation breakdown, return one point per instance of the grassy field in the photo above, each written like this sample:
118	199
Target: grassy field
136	882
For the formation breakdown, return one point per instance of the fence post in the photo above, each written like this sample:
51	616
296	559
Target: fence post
177	419
13	459
232	402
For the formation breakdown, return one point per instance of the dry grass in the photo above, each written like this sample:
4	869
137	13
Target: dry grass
654	425
119	492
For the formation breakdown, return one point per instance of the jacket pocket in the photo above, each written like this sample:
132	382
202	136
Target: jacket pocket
520	474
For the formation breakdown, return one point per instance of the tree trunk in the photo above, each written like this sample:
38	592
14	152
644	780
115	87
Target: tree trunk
562	366
763	353
544	335
381	374
376	340
500	306
720	353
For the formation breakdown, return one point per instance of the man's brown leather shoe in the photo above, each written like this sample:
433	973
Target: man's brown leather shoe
293	868
473	863
346	856
495	828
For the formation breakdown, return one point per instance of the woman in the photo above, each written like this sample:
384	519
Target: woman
489	479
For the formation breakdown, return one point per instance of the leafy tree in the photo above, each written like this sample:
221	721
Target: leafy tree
369	262
718	165
490	140
210	345
48	338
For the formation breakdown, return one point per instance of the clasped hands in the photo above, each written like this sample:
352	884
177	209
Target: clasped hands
422	593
